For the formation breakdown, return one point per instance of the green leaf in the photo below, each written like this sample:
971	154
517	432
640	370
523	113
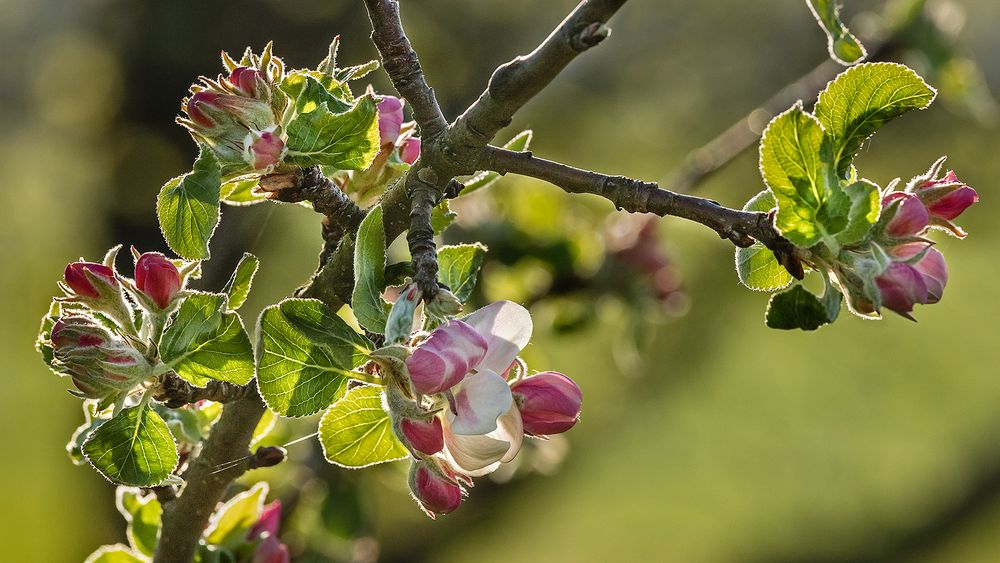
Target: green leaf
263	428
305	88
442	217
117	553
239	193
756	265
484	179
791	165
133	448
206	342
143	514
347	140
797	308
458	267
188	207
306	354
862	99
238	286
229	525
356	431
866	205
369	273
844	47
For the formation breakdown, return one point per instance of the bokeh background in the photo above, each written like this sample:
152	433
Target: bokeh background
705	438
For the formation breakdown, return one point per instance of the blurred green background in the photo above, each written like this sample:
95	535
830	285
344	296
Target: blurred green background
723	441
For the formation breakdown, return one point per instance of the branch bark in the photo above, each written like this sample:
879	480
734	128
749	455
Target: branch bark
403	67
207	477
636	196
519	80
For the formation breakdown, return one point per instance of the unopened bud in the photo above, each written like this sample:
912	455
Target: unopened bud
263	150
157	278
435	494
549	403
929	263
245	80
390	118
77	279
902	287
425	436
906	215
410	151
444	304
268	522
947	197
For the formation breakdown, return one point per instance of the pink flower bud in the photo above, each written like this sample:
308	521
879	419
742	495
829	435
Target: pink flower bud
410	150
901	286
931	266
244	79
441	361
227	114
909	216
158	278
549	403
268	521
78	281
265	150
98	364
77	332
947	197
196	105
390	118
424	436
433	492
271	550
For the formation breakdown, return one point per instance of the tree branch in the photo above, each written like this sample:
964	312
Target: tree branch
175	392
420	236
401	64
207	477
519	80
635	196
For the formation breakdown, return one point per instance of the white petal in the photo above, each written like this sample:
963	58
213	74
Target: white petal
480	399
507	329
473	455
480	455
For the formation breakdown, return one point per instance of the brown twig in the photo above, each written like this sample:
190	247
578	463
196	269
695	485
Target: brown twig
635	196
516	82
403	67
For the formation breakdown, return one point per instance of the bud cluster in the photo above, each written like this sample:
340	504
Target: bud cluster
240	115
899	267
462	402
99	339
